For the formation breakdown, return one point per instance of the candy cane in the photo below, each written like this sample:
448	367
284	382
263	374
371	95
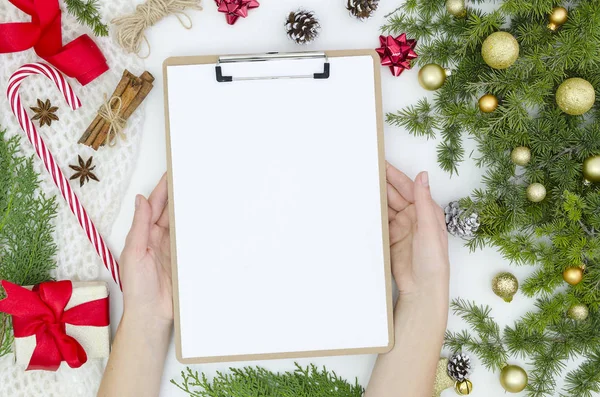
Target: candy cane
44	154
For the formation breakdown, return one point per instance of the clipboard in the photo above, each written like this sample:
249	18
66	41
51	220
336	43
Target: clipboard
251	283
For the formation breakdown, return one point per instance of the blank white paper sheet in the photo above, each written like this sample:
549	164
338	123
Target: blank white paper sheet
280	241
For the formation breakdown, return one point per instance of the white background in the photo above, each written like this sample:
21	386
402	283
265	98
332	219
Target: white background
263	31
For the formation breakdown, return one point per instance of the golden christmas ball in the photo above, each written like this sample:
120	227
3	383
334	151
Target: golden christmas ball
578	312
505	285
591	169
456	8
513	378
464	388
558	17
500	50
536	192
521	155
575	96
488	103
442	380
573	275
432	76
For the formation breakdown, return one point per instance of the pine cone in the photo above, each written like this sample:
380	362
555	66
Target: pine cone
302	26
362	9
459	367
458	223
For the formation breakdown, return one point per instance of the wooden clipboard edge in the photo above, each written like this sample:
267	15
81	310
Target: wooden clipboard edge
174	273
207	59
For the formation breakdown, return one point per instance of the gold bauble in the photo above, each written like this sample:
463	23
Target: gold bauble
573	275
456	8
464	388
578	312
558	17
432	76
521	155
513	378
575	96
505	285
442	380
591	169
536	192
488	103
500	50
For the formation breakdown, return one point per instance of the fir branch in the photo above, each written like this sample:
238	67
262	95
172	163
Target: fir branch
249	381
561	231
548	364
419	120
518	248
479	26
87	13
539	8
584	381
489	347
522	343
451	151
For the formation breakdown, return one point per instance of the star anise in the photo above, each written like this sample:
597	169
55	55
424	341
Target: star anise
84	171
44	112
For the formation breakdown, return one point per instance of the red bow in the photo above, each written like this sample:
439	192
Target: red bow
41	312
80	58
397	52
234	9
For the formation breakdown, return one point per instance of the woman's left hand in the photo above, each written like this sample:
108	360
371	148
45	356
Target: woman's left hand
146	260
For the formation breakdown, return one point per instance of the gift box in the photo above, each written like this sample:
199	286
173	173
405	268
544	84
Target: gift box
58	323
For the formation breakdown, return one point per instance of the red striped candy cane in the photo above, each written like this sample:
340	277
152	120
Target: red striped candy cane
44	154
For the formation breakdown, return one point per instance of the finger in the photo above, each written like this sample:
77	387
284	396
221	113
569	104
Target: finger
163	221
403	184
391	214
137	239
158	198
395	199
402	226
427	219
441	216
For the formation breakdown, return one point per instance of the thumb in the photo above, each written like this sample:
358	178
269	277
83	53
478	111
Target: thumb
137	239
426	216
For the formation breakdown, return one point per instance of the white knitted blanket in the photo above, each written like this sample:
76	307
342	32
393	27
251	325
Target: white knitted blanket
76	258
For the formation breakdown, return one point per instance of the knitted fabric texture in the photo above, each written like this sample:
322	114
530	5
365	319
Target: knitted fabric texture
76	257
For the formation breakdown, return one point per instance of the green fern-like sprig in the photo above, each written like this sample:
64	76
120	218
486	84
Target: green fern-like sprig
249	381
27	247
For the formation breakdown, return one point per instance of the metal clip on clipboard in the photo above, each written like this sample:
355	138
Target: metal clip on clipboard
273	56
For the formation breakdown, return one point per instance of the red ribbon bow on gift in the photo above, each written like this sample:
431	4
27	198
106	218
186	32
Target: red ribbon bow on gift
80	58
41	312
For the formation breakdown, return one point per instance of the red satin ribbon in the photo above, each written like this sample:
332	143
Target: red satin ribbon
41	312
81	58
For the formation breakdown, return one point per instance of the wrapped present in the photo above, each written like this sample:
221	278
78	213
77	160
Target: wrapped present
57	322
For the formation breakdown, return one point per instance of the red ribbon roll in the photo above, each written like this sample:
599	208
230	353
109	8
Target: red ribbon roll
41	312
81	58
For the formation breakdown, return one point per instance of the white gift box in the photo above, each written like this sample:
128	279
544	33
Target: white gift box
94	340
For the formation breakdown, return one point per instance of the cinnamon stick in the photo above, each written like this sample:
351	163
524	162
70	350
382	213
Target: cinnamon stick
130	100
94	126
147	80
